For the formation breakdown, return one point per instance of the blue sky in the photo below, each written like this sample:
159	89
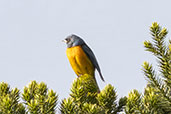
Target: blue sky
31	32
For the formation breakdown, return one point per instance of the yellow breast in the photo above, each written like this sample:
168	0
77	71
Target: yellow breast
79	61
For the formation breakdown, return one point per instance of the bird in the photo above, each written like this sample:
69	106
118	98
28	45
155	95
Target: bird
81	57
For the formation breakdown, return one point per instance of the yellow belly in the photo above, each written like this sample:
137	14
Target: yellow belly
79	61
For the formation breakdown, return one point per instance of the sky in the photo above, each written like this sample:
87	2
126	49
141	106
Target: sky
31	34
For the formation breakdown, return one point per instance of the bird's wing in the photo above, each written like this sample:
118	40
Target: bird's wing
92	58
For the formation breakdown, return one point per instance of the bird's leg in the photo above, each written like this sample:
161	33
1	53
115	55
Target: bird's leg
79	74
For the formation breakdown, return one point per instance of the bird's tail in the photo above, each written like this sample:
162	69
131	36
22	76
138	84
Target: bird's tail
101	76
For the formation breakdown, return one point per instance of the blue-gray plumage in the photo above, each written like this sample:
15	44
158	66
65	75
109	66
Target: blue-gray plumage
74	40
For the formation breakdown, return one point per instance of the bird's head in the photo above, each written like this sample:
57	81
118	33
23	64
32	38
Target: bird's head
73	40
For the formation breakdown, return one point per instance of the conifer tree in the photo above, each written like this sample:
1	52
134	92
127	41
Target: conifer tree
9	100
85	98
157	95
38	99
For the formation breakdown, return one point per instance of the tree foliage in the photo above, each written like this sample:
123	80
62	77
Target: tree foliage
9	100
85	98
157	95
37	99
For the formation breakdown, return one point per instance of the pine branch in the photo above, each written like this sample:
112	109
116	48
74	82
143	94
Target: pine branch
160	50
121	105
89	108
151	100
151	75
157	83
133	105
68	107
107	99
85	98
163	53
84	87
9	100
38	99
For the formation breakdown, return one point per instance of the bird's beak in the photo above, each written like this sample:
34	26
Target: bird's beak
64	41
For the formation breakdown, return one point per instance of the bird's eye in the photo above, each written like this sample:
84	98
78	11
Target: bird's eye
67	39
